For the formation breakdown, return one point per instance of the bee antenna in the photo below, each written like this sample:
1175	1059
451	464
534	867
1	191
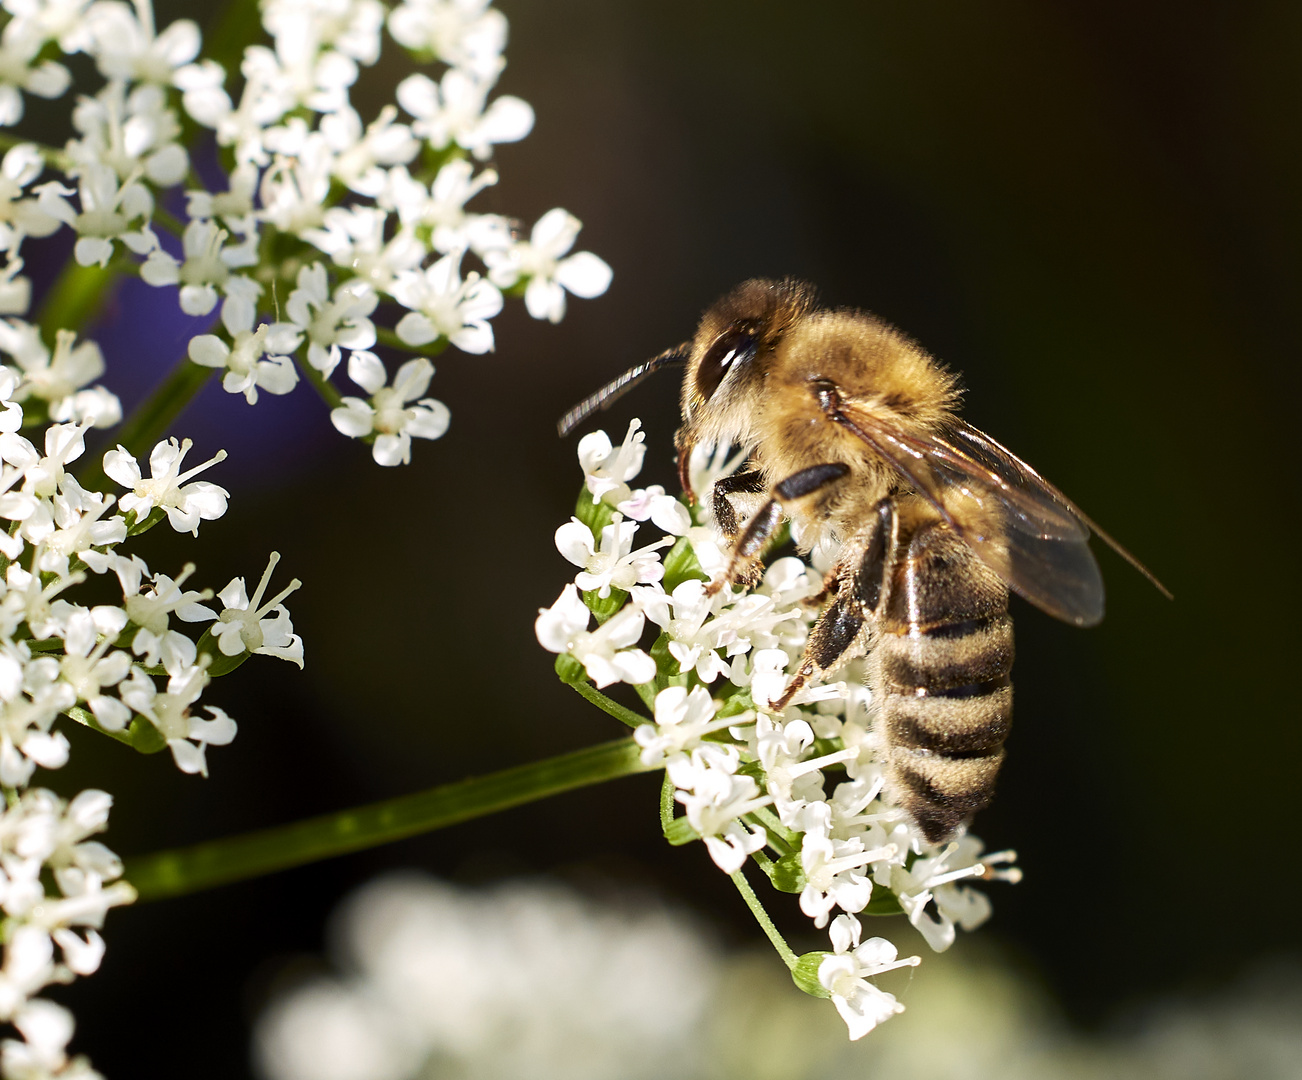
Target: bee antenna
616	388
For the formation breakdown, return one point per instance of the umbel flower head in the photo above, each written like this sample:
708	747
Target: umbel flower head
799	791
335	231
320	236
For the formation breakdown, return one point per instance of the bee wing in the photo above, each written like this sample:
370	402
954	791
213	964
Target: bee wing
1019	524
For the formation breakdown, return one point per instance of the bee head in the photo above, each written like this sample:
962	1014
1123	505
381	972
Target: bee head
729	355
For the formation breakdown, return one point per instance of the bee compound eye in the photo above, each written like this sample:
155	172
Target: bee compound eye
735	345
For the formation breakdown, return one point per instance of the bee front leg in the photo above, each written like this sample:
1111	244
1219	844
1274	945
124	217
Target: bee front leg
745	563
725	514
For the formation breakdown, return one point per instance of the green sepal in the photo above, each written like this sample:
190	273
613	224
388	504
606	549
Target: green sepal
681	565
136	527
569	670
805	974
145	738
140	734
884	902
44	645
219	662
737	703
788	875
666	663
823	747
595	515
604	609
680	832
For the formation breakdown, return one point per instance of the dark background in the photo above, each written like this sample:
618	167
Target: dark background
1089	209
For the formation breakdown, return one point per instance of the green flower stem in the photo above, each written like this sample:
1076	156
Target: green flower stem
627	717
327	390
218	862
385	336
154	415
776	829
761	916
227	36
75	298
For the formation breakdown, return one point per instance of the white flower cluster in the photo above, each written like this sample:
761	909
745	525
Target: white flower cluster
51	937
122	668
804	783
330	220
523	980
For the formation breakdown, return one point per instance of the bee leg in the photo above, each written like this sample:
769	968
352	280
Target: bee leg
750	545
831	586
859	581
725	514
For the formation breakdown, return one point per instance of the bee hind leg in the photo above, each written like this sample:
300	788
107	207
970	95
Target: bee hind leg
745	563
859	582
838	636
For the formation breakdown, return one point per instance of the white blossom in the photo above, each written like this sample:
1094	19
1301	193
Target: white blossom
550	273
186	503
464	33
257	625
614	564
443	305
453	111
393	414
331	324
111	209
254	359
845	976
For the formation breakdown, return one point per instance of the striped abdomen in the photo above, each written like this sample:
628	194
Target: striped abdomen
939	666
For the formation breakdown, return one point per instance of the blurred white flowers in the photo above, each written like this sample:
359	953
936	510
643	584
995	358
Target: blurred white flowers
525	980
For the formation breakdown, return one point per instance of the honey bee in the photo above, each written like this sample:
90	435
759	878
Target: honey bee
851	432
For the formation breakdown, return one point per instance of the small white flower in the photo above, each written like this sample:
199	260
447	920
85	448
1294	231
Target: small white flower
550	275
243	625
44	473
134	134
606	652
109	209
682	720
255	359
464	33
362	155
52	378
186	503
442	305
126	47
440	207
390	413
606	471
20	44
356	237
453	111
845	976
205	270
331	325
21	217
615	564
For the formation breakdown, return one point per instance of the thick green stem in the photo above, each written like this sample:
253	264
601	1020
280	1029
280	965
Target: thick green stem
762	917
75	298
185	870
